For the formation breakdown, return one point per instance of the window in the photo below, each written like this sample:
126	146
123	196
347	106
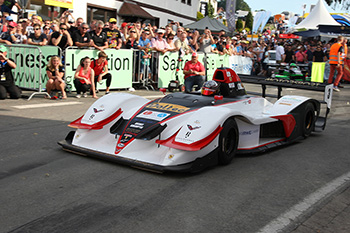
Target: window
100	14
183	1
45	11
189	2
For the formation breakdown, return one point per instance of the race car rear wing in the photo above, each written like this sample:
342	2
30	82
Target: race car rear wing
327	89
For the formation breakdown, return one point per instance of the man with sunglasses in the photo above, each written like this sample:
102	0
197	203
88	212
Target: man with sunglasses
98	36
38	37
61	38
114	36
144	42
82	38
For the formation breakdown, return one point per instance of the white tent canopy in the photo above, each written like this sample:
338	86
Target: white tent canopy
319	15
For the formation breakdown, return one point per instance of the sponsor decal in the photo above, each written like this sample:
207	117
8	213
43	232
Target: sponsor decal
120	145
231	85
132	131
249	132
190	127
91	117
187	134
184	140
247	102
126	138
153	115
240	86
228	74
286	104
137	125
168	107
98	110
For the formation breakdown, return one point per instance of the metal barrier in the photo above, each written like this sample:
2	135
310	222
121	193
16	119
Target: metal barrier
30	61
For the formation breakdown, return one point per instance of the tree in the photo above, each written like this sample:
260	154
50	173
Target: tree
210	10
240	5
249	21
239	25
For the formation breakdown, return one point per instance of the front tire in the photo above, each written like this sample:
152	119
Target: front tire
228	142
308	120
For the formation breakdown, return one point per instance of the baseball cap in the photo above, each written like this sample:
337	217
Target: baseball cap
3	48
194	55
160	30
12	24
9	18
123	24
112	20
234	38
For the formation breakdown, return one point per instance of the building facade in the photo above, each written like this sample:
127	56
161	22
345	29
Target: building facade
158	12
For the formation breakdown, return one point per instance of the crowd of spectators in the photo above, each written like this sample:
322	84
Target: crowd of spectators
68	31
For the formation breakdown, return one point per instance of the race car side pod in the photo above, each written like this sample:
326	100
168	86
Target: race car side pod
98	125
195	146
327	89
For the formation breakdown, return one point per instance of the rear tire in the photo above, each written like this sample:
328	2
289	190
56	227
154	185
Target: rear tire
308	120
228	142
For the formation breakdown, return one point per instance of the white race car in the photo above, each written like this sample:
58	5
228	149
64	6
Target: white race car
189	132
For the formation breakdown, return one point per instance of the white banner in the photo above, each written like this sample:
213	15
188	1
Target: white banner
241	65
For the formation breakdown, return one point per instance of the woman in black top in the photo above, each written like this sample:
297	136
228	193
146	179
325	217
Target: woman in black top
55	72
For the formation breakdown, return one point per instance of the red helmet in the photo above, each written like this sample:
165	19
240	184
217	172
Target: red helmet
210	88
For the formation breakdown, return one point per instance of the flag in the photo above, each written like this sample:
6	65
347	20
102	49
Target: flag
231	14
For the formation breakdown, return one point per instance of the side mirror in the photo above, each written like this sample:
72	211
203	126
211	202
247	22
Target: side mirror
163	90
218	97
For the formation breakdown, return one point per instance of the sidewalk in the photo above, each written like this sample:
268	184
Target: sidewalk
333	217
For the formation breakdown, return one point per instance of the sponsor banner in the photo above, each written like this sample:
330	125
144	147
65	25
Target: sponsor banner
241	65
120	66
60	3
169	67
31	66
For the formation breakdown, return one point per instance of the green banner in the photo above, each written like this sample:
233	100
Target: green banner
30	65
120	66
169	66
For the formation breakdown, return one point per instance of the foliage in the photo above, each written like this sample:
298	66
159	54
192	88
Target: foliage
199	16
210	10
239	25
249	21
240	5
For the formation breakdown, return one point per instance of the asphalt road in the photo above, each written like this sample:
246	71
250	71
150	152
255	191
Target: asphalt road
44	189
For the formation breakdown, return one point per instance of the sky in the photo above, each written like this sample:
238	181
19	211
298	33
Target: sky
278	6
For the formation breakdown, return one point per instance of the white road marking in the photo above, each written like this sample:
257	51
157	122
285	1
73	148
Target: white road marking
28	106
292	215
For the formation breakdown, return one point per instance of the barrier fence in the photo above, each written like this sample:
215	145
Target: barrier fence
124	65
31	64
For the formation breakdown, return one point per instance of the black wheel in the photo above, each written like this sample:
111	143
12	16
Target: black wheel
170	88
182	88
308	120
228	142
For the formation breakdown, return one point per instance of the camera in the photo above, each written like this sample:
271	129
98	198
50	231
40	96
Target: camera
70	11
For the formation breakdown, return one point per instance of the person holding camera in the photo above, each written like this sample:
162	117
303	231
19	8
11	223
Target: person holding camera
7	84
205	41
